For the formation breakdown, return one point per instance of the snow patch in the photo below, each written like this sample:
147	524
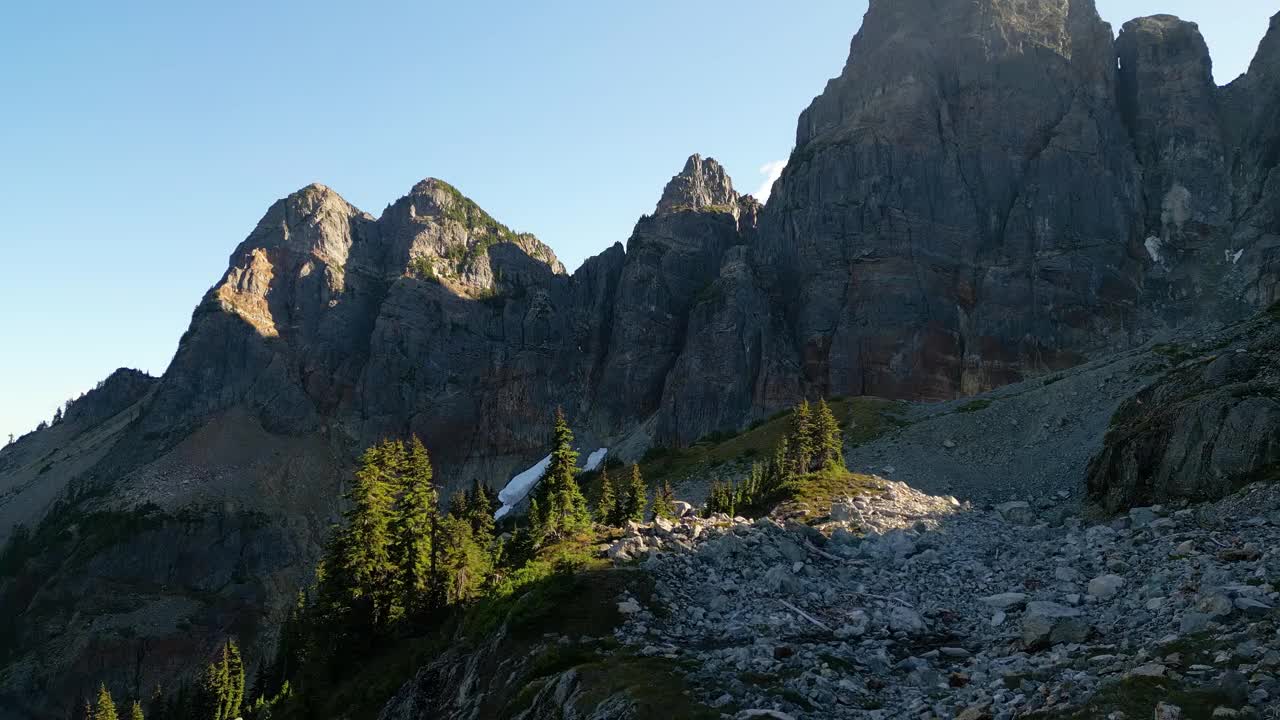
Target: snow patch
519	486
1234	257
595	458
1153	245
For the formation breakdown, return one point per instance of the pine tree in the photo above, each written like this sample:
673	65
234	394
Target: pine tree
636	497
414	516
358	569
135	711
801	439
780	466
664	501
827	441
480	512
560	501
465	564
437	580
156	706
212	698
86	713
607	505
235	681
755	484
458	505
105	709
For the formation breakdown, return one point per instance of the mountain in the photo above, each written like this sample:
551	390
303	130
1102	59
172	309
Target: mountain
990	192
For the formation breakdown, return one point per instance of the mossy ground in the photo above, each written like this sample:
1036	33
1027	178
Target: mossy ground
811	496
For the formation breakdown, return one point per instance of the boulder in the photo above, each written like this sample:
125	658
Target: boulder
1048	623
1016	511
1106	586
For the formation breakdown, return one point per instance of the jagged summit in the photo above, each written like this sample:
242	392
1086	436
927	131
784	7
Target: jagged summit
702	184
991	191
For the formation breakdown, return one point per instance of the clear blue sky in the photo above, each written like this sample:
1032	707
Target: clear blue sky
141	141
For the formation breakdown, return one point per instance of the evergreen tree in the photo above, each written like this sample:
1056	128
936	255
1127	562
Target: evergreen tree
86	712
536	533
664	501
105	709
135	711
828	442
465	564
458	506
415	516
437	582
210	702
358	572
607	505
235	681
801	439
480	512
561	504
156	706
755	484
780	466
636	497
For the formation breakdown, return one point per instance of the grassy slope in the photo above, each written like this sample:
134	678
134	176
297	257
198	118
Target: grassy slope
861	418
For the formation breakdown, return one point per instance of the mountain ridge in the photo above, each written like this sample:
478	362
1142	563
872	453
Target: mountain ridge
971	203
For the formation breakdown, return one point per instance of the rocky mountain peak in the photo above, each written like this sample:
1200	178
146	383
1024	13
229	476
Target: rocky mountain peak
702	184
121	389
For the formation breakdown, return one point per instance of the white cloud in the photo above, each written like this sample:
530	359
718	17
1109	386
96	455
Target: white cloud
771	172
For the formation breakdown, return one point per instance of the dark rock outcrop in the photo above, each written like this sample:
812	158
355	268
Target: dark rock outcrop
1210	425
961	206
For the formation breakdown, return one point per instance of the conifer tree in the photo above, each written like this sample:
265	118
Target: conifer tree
135	711
437	583
357	575
560	501
780	466
801	439
465	563
636	496
607	505
828	442
212	693
105	709
415	515
664	501
536	533
458	506
156	706
755	484
480	512
86	712
235	681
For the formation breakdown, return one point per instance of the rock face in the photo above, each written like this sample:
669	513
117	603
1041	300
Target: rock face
990	190
1210	424
961	206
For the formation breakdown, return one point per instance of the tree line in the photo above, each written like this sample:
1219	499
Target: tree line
813	443
399	562
218	696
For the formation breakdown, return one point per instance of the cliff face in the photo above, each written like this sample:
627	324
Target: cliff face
962	205
990	190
